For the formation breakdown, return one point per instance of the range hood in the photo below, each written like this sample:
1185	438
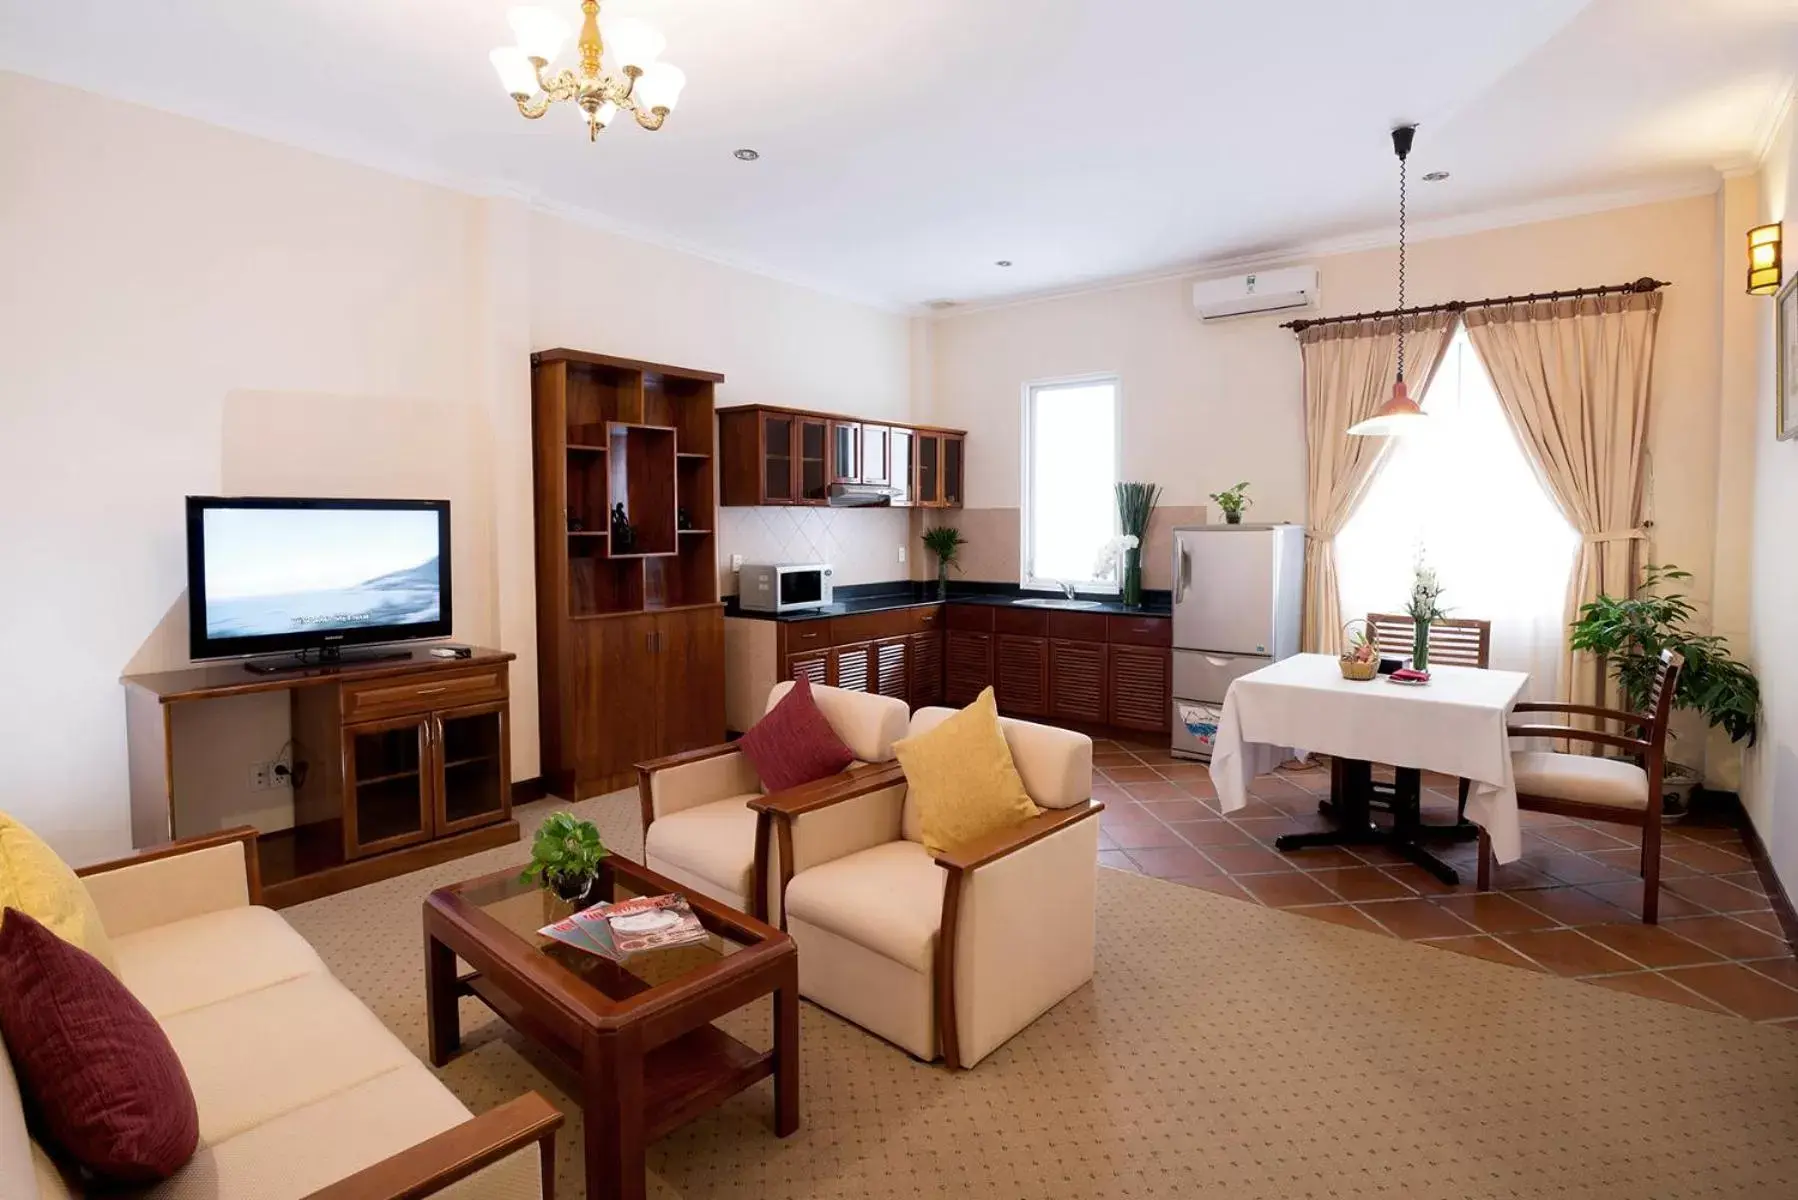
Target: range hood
861	495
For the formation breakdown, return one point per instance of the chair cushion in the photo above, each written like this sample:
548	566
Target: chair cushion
961	779
1056	765
199	961
39	884
1582	778
715	841
868	724
793	744
888	899
106	1086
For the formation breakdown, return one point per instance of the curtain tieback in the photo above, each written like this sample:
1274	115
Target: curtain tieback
1627	535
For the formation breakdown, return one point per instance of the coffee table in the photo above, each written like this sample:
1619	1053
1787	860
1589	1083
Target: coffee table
641	1054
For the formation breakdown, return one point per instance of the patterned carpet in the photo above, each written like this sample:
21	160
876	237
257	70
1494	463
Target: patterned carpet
1224	1050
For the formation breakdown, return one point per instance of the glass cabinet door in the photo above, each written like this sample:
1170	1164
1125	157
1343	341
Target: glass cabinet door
387	785
899	452
777	459
814	464
845	452
876	441
929	449
952	463
472	751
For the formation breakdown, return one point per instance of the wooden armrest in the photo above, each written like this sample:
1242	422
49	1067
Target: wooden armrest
823	793
457	1153
1584	735
1589	710
687	756
241	833
981	851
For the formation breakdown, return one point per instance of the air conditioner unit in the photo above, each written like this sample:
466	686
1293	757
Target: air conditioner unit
1260	292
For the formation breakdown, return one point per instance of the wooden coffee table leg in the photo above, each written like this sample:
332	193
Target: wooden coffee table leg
445	1031
612	1113
786	1051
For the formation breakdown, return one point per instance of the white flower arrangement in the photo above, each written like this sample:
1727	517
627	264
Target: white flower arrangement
1112	553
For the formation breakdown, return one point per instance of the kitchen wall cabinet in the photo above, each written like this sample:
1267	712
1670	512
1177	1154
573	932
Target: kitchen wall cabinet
779	456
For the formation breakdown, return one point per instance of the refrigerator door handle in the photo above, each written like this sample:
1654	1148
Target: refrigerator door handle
1182	569
1217	662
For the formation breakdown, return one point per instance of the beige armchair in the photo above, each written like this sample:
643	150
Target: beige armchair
949	954
698	828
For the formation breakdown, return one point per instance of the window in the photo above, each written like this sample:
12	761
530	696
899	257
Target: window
1069	481
1464	494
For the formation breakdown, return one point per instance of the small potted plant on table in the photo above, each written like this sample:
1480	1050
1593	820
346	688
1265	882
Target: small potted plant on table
1231	502
565	858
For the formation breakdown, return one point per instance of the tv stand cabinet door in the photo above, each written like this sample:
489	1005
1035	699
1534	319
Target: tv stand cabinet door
473	767
389	784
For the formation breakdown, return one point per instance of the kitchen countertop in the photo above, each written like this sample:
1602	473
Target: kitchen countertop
888	597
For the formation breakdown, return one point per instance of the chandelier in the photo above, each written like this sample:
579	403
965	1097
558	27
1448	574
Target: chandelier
649	89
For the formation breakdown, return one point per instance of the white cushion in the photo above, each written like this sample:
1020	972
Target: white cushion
715	841
868	724
189	964
888	899
299	1152
1581	778
1056	765
255	1057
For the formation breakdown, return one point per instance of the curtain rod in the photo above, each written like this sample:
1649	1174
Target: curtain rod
1645	284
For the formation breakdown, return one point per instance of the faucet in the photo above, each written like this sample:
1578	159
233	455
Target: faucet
1067	589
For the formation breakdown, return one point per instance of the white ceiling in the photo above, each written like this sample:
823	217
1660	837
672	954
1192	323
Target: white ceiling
907	145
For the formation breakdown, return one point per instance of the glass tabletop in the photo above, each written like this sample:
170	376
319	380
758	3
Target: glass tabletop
522	908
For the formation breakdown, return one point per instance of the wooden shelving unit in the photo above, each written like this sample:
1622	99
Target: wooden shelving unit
612	431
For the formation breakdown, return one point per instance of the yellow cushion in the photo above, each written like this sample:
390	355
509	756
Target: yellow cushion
40	885
962	779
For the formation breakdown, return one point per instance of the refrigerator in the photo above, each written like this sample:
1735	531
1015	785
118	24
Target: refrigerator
1237	595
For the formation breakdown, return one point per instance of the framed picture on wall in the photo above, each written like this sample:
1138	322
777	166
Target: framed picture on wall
1786	361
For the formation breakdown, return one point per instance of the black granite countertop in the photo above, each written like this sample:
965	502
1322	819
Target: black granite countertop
887	597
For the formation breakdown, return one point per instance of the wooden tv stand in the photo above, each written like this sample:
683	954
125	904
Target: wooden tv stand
398	764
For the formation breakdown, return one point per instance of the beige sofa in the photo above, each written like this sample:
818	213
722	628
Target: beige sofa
301	1090
951	954
698	828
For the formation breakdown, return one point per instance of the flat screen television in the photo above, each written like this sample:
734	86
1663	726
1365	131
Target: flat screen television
267	575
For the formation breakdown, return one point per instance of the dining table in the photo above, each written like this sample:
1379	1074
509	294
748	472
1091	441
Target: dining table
1454	724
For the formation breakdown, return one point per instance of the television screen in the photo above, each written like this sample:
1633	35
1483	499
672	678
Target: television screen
271	575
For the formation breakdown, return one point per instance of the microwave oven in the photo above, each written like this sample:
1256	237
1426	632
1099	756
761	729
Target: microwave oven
784	587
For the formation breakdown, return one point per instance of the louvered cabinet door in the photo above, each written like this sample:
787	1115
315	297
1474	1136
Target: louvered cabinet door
926	669
813	665
1021	675
1077	681
1139	682
967	666
892	675
852	667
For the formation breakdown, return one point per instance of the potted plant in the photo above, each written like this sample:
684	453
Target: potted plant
1136	504
1424	608
945	541
1232	501
1630	635
565	857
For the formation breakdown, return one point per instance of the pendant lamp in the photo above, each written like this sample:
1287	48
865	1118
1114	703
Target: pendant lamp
1400	415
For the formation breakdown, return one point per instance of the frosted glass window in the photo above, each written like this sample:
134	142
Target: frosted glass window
1070	473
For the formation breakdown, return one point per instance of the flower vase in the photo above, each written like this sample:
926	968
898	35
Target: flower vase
1420	646
1132	587
942	579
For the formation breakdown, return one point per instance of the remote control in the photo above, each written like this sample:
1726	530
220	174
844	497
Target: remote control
449	652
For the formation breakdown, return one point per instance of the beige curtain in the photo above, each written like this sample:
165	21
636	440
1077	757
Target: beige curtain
1573	377
1349	371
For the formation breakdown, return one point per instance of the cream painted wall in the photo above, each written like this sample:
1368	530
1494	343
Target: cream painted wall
1770	784
191	310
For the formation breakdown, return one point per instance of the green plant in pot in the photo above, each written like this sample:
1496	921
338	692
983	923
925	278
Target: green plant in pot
1136	504
1231	502
565	856
1630	635
944	541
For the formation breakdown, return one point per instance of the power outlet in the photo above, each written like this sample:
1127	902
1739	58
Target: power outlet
902	555
263	777
736	562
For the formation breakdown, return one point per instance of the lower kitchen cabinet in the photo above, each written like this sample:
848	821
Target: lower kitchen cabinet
1077	675
967	666
1021	674
1139	682
926	650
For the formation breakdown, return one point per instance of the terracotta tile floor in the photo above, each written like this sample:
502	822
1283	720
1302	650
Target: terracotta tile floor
1569	907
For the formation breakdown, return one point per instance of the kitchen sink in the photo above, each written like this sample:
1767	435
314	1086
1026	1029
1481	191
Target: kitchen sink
1045	602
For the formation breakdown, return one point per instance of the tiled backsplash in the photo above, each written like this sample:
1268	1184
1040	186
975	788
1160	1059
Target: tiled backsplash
991	554
861	543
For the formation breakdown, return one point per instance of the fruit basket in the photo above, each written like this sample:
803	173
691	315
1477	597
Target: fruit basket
1360	658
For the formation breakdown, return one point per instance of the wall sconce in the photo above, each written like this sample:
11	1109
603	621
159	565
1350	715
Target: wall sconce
1763	260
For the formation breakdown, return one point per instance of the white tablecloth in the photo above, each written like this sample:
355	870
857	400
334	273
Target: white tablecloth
1455	725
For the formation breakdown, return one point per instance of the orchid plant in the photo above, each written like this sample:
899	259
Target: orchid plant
1111	554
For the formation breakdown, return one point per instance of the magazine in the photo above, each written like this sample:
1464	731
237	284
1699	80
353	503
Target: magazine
617	931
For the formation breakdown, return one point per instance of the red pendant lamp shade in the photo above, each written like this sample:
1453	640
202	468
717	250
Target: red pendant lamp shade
1399	415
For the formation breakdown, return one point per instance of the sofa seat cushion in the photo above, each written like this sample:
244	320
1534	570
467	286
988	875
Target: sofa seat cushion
189	964
888	899
715	841
257	1056
299	1152
1581	778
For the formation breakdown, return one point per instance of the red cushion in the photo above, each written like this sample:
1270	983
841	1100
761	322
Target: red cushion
793	743
101	1083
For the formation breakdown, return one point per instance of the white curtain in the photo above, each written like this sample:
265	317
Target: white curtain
1464	494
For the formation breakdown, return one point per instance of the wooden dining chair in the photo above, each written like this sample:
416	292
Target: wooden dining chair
1454	641
1591	788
